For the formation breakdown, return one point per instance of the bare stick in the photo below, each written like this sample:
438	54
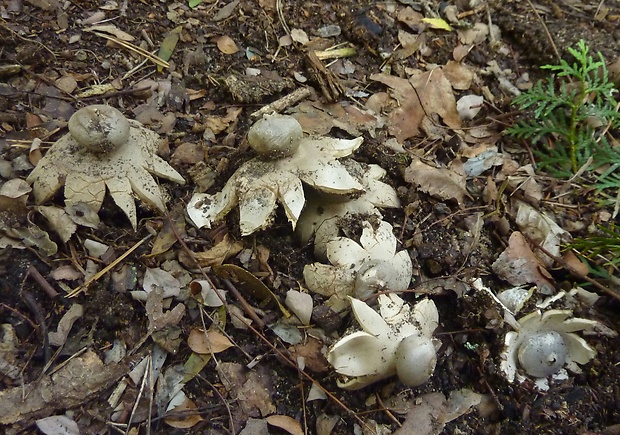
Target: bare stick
45	286
284	102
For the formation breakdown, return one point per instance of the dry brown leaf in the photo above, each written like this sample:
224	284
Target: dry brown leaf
217	124
442	183
575	263
219	253
318	119
158	319
311	352
411	18
226	45
286	423
211	342
256	392
460	51
173	227
184	414
252	389
432	89
111	30
188	153
67	84
519	265
460	76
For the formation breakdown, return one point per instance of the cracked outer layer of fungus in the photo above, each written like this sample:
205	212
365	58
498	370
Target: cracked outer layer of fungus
286	159
103	149
396	340
360	269
322	214
545	344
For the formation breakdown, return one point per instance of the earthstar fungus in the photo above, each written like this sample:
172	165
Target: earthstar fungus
360	270
285	159
546	343
322	214
397	340
103	149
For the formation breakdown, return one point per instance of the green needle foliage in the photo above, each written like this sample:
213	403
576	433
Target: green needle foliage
601	251
569	124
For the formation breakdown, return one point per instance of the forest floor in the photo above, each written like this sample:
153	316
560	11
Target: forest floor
111	358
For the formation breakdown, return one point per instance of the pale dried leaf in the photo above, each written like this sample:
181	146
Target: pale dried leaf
15	188
83	215
298	35
66	272
111	29
542	229
58	425
255	426
210	342
59	337
226	11
60	221
442	183
300	304
206	294
286	423
226	45
156	278
430	412
468	106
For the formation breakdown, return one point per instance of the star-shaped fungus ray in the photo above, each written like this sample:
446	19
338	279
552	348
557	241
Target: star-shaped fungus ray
122	163
286	159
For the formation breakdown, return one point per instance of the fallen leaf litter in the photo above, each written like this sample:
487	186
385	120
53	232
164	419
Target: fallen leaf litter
425	95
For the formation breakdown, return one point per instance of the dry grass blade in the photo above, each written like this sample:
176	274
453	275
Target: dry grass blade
76	291
128	45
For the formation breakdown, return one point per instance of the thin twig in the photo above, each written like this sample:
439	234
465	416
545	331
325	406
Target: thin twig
37	311
128	45
555	49
574	271
244	304
281	17
45	286
76	291
284	102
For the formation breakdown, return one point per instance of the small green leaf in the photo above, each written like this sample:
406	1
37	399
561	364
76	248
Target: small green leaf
168	45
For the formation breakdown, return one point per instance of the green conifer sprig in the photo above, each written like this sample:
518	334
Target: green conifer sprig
569	120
